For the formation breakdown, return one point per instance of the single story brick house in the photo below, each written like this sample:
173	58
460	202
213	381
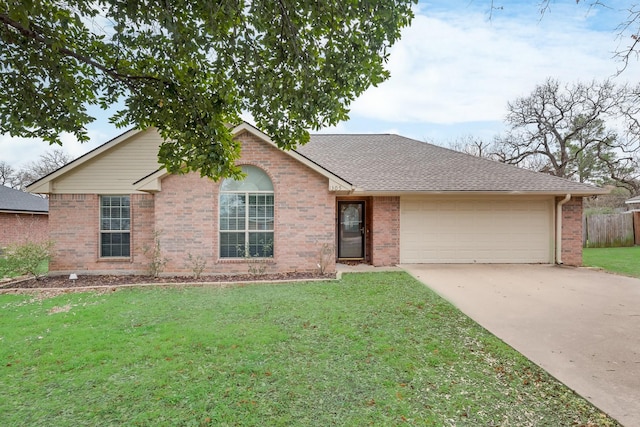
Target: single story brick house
377	199
23	217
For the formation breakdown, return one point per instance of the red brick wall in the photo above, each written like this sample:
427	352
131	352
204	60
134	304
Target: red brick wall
385	231
74	229
187	215
142	232
186	220
572	231
16	229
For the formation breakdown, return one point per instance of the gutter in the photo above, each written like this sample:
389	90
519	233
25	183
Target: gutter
559	228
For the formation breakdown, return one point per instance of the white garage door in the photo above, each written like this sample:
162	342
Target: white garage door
500	230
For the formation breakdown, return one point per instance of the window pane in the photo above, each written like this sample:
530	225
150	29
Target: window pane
115	244
232	245
247	207
261	245
261	212
256	180
232	211
115	215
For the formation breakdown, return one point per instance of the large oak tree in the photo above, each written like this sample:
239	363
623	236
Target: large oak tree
191	67
583	131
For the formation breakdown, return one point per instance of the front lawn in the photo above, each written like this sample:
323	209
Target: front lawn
616	260
371	349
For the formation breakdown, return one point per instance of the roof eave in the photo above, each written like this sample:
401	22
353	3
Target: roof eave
23	211
387	193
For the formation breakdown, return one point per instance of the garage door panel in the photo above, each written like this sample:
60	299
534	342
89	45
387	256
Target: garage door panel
499	230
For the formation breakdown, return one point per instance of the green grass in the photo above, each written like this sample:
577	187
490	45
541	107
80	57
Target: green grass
371	349
616	260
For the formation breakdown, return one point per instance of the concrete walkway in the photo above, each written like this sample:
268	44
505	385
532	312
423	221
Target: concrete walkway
581	325
363	268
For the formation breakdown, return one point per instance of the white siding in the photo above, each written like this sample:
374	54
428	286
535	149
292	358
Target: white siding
476	230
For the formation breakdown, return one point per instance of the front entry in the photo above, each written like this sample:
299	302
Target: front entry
351	230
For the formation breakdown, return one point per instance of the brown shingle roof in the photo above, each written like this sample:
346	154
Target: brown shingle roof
392	163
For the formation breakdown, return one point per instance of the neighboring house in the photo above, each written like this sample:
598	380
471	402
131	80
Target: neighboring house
23	217
379	199
633	204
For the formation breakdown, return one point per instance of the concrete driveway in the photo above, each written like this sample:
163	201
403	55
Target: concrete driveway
580	325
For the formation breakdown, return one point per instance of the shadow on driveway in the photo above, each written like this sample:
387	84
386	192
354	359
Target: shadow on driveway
580	325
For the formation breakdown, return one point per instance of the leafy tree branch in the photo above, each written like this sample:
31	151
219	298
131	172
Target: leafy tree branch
189	68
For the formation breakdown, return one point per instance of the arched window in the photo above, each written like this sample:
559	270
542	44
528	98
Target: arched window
246	215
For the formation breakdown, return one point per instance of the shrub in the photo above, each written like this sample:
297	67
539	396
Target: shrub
197	264
157	260
325	256
28	258
256	264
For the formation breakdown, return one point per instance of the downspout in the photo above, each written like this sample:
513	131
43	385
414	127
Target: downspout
559	228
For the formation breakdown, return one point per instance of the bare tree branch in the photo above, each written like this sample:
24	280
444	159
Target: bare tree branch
567	131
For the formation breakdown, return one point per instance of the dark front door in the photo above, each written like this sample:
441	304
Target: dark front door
351	230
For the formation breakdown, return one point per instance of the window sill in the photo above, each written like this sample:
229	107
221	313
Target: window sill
269	260
115	259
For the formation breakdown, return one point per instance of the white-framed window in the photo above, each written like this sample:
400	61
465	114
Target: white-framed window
247	215
115	226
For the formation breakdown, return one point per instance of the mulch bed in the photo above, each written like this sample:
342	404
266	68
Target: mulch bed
107	281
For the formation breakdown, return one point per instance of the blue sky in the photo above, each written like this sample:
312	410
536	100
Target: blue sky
454	70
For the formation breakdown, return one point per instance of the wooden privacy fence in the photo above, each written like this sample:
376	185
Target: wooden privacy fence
614	230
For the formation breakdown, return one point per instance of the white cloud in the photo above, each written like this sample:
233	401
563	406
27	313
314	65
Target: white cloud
18	152
458	66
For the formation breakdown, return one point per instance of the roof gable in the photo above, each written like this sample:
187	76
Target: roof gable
45	184
385	163
18	201
153	182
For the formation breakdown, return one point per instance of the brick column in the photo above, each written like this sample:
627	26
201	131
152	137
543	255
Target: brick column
385	231
572	231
